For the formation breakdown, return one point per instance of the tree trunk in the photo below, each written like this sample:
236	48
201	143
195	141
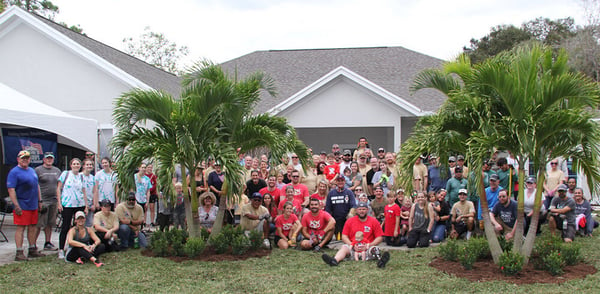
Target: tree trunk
490	234
518	237
531	234
193	223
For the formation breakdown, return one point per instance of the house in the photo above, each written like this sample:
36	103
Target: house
339	95
70	75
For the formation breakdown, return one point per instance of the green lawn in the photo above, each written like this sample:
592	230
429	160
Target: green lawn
288	271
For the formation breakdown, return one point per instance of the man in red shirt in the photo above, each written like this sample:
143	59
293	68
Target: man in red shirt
271	188
372	236
300	190
317	227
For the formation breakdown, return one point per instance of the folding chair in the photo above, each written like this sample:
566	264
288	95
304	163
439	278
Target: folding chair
2	216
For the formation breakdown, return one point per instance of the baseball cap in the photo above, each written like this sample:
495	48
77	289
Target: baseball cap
23	153
452	158
562	187
79	214
460	157
105	203
256	195
48	154
530	180
323	152
131	196
494	177
347	152
380	149
363	204
461	191
433	156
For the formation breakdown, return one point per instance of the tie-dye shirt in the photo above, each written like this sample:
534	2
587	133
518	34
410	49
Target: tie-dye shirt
142	185
106	185
73	190
89	183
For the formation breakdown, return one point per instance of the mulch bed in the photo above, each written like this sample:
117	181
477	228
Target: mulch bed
486	270
210	255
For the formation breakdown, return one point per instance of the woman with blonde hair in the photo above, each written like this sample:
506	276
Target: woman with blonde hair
420	222
207	211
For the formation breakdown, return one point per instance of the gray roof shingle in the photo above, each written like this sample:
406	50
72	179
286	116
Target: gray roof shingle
392	68
152	76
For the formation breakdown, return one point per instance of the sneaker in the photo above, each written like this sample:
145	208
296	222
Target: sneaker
317	248
21	256
33	252
79	261
50	247
98	263
61	254
267	243
468	235
384	259
329	260
375	253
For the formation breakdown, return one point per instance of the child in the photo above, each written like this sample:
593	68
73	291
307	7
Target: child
360	248
391	223
400	197
165	206
404	215
348	178
179	210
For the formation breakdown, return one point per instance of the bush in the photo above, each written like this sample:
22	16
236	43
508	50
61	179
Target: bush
479	247
467	257
160	247
178	249
554	263
157	236
255	238
240	245
510	263
504	244
220	243
230	232
204	234
449	251
571	253
176	236
194	247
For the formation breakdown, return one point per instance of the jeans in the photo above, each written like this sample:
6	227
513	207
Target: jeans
439	233
127	237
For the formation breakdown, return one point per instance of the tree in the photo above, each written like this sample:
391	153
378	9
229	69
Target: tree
550	32
157	50
212	118
45	8
501	38
525	101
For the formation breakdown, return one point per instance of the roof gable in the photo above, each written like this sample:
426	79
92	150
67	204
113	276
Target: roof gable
344	72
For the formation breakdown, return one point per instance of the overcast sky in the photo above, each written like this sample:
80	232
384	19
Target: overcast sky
221	30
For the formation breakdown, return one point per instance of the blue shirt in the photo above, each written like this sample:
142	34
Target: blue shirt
435	178
492	199
25	183
339	203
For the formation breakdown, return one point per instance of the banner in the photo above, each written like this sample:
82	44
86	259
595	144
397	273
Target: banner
33	140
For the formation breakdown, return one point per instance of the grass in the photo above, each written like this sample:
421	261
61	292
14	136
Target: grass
284	271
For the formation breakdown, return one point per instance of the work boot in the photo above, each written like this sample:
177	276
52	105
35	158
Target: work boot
33	252
21	256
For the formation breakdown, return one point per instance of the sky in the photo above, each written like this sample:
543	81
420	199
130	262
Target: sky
220	30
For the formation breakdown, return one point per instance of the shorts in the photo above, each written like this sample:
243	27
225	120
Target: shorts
153	198
460	227
27	218
569	232
143	205
48	218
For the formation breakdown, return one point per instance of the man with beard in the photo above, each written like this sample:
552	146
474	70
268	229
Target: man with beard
504	215
372	236
300	190
254	184
131	218
346	160
340	201
271	188
317	227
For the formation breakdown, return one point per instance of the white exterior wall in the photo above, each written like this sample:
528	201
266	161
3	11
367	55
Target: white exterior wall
344	103
54	75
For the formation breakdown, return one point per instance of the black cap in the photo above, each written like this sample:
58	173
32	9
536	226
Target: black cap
106	202
131	196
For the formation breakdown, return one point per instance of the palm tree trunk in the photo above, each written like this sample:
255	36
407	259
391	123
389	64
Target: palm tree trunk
193	223
537	205
490	233
518	237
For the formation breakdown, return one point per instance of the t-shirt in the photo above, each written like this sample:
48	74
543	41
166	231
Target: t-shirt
88	184
275	194
378	207
106	185
250	224
108	222
153	179
321	199
300	191
285	224
459	208
331	170
135	214
72	191
492	199
316	224
25	183
142	185
339	203
48	180
297	204
508	214
420	173
251	187
370	227
559	203
452	187
391	212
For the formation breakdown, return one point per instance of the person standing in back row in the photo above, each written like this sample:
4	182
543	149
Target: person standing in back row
48	179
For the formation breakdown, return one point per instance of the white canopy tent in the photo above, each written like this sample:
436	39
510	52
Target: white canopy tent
18	109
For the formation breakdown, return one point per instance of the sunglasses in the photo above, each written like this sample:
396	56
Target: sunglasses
294	156
295	176
553	163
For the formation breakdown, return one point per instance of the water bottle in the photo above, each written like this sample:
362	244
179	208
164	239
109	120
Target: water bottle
564	225
136	242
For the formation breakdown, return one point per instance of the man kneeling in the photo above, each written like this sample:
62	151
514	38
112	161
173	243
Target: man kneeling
504	215
372	236
255	217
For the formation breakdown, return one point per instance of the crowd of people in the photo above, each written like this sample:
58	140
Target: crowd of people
350	196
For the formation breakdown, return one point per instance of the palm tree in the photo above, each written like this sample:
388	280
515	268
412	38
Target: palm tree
212	118
525	101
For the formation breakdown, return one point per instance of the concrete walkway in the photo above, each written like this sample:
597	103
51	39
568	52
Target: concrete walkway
8	249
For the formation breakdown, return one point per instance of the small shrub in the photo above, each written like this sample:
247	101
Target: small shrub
571	253
554	263
176	236
504	244
157	236
467	258
220	243
194	247
230	232
160	247
542	248
178	249
510	263
255	239
204	234
449	251
479	247
240	245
